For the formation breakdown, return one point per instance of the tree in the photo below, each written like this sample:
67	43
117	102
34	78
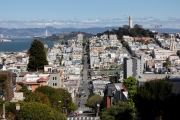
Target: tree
111	66
62	43
94	100
130	84
150	98
66	43
146	52
178	53
84	43
172	109
43	98
35	111
32	97
56	95
120	111
165	64
24	89
125	44
136	31
37	58
83	60
73	107
59	115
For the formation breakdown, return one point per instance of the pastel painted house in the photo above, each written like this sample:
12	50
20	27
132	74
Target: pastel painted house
33	81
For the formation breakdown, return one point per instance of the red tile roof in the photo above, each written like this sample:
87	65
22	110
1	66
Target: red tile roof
173	55
22	75
43	79
31	83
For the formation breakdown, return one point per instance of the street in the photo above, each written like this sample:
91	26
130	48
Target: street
84	91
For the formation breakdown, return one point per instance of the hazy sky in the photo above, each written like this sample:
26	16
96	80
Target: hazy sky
88	13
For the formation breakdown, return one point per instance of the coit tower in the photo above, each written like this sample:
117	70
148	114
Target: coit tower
130	22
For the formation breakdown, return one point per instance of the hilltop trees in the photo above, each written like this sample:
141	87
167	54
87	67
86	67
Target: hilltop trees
37	58
136	31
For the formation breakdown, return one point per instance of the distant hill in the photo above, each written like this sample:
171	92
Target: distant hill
65	36
74	35
31	32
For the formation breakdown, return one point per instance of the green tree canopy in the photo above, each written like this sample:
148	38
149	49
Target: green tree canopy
136	31
172	108
35	111
165	64
150	98
130	84
120	111
59	115
43	98
37	58
58	97
24	89
84	43
94	100
32	97
83	60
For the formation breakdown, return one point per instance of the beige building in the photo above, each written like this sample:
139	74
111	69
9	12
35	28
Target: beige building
164	54
173	57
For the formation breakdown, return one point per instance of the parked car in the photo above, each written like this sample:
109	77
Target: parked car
72	115
79	104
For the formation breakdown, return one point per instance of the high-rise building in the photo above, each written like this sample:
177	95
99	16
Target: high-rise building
130	22
133	66
127	66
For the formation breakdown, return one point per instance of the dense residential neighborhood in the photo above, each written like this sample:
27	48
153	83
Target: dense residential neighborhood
94	72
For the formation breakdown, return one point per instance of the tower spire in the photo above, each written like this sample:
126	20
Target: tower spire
130	22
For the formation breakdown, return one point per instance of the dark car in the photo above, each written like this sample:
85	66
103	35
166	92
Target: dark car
72	115
79	104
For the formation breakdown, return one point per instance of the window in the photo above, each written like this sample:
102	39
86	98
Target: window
54	78
49	69
54	84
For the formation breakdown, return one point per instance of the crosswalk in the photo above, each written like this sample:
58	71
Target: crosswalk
82	118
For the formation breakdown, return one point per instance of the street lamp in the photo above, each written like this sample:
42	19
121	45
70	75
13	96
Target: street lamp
98	106
65	110
60	102
17	106
4	114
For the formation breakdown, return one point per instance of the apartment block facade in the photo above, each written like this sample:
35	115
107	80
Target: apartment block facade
133	66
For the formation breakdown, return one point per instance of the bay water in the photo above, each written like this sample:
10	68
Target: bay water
20	44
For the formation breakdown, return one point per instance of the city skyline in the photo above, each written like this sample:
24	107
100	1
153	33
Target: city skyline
84	14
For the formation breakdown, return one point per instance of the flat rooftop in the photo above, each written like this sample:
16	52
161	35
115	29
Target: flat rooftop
146	77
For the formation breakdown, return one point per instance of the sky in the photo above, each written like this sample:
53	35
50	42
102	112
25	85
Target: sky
88	13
